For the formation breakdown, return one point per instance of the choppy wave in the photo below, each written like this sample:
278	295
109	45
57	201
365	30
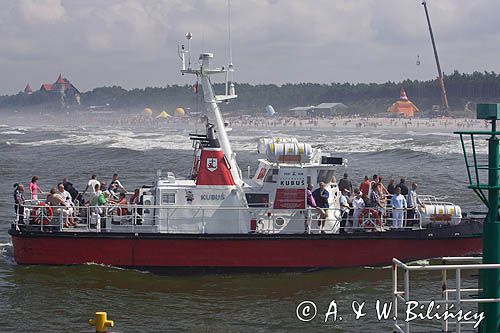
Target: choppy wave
12	133
347	141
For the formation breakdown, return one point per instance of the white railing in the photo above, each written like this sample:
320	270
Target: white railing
131	218
455	298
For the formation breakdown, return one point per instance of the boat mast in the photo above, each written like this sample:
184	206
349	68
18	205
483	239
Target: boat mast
440	73
212	101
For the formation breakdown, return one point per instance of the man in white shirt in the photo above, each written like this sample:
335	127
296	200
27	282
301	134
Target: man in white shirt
398	204
91	184
358	205
344	210
413	204
65	194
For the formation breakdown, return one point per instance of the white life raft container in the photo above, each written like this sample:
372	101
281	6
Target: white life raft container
285	150
440	213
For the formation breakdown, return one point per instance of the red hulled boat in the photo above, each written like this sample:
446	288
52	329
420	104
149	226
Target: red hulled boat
217	220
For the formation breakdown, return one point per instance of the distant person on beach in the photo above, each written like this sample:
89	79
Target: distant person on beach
398	204
34	188
403	187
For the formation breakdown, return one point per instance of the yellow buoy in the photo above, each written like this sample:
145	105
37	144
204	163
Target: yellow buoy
148	111
179	112
101	322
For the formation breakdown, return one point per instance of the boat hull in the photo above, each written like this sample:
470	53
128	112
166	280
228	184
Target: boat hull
243	251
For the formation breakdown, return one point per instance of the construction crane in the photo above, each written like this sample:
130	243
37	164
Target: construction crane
440	73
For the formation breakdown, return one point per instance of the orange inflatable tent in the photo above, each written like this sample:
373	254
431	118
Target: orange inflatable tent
403	106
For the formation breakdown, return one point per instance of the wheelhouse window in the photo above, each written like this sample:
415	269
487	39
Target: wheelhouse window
168	198
272	176
257	199
325	176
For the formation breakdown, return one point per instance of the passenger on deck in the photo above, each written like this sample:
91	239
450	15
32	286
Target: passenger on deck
95	193
100	198
383	189
34	188
391	188
115	185
375	181
344	210
398	204
358	204
311	203
375	199
321	196
92	185
75	196
365	186
134	199
65	194
19	202
413	204
345	183
403	187
121	204
56	200
69	202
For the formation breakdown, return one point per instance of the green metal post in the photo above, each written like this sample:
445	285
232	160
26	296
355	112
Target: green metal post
491	239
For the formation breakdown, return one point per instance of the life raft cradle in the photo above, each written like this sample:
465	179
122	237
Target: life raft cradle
42	213
369	218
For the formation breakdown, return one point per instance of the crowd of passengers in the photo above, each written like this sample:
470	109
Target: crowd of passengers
65	199
371	198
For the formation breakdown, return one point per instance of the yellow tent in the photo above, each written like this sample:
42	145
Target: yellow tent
148	111
404	106
179	112
163	115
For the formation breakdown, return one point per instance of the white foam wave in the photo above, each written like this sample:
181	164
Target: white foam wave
353	141
12	133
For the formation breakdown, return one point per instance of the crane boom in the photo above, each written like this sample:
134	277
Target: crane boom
440	72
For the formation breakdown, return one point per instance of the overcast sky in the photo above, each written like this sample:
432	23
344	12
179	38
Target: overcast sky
133	43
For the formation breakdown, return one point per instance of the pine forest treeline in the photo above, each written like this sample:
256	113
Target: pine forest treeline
360	97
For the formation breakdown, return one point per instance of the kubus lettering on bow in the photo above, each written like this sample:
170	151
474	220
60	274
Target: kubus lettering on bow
213	197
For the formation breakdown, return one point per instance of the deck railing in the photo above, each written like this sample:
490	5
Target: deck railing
453	298
132	218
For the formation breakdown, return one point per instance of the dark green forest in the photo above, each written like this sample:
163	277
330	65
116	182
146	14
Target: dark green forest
362	98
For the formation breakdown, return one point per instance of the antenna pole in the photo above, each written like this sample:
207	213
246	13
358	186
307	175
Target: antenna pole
440	73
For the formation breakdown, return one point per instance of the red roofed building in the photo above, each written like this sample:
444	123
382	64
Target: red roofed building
28	90
46	87
61	86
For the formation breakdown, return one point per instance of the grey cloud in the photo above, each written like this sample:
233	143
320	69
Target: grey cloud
133	43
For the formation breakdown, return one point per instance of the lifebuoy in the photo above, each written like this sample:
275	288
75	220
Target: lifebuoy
372	212
121	210
42	213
